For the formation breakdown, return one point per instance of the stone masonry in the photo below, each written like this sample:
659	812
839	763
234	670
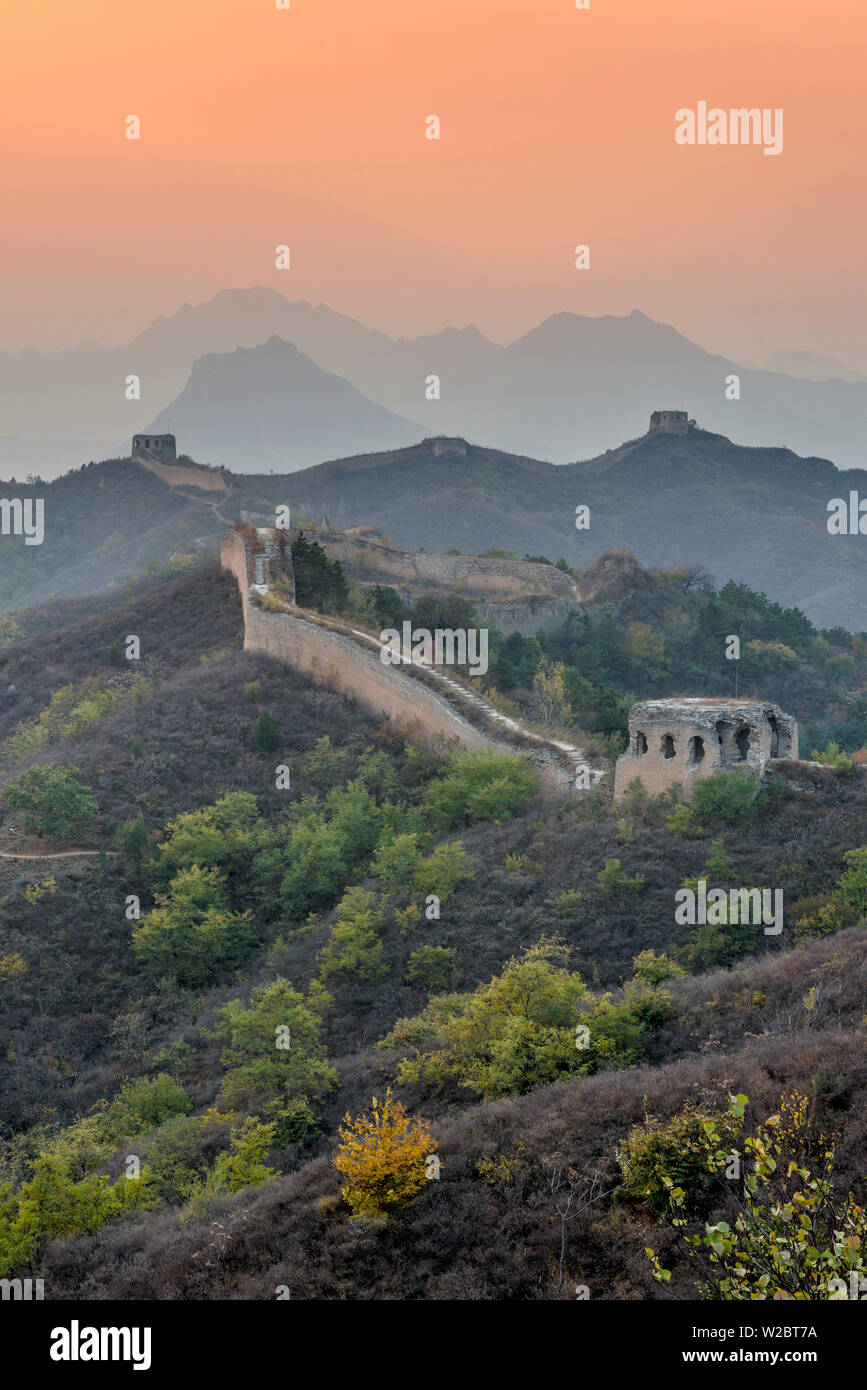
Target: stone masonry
682	740
669	422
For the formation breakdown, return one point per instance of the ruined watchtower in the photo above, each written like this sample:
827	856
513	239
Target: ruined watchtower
682	740
154	448
669	422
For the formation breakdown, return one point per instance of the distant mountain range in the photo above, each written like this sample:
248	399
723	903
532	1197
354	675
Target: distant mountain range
561	392
758	516
272	406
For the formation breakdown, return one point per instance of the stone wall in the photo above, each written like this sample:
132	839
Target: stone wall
338	661
495	581
178	475
534	615
681	741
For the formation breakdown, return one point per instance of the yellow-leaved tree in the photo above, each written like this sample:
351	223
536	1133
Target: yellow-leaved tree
384	1155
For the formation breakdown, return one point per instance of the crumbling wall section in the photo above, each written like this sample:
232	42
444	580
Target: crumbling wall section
681	741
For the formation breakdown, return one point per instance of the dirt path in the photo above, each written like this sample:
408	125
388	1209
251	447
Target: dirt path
52	854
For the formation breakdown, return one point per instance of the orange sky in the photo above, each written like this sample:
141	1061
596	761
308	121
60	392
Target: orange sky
261	126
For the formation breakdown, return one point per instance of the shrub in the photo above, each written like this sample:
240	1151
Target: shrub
191	934
675	1150
568	903
833	757
617	1027
382	1156
267	732
444	871
52	801
655	968
612	882
680	822
433	967
822	915
485	786
354	950
791	1236
730	796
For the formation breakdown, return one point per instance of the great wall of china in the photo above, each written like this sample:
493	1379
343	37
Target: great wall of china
426	697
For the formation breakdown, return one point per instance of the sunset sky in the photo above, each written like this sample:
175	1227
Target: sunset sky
261	126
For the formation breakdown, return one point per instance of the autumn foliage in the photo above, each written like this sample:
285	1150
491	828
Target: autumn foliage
383	1155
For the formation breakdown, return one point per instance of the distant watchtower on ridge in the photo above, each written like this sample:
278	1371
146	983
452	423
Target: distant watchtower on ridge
669	422
154	448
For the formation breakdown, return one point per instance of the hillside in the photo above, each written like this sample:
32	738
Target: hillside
758	516
105	523
314	900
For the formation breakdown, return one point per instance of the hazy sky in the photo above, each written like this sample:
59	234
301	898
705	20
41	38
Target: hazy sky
307	127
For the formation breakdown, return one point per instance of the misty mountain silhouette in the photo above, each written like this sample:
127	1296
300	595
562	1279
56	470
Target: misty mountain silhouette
562	391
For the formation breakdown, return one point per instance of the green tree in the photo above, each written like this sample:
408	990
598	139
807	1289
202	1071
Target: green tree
131	838
395	862
52	1203
485	786
274	1059
52	801
242	1165
267	732
320	582
514	1033
191	934
354	950
226	836
432	967
852	887
444	871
